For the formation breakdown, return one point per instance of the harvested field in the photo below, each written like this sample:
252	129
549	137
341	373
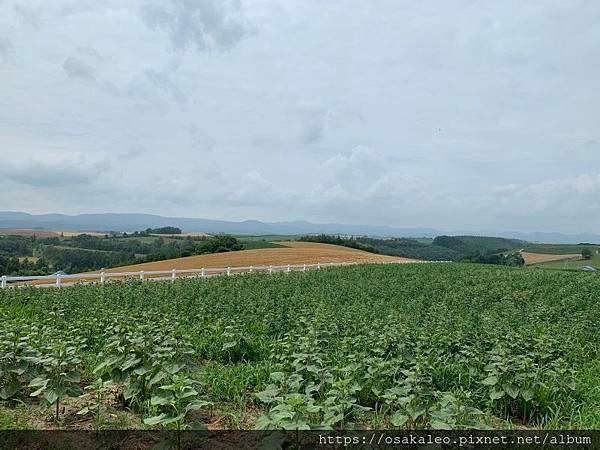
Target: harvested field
293	253
536	258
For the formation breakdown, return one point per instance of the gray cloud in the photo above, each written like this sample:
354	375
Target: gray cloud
53	173
204	25
7	51
77	68
29	15
162	81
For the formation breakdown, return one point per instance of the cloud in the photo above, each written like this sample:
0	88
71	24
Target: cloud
208	24
365	174
53	173
162	81
7	51
29	15
251	190
314	121
585	184
77	68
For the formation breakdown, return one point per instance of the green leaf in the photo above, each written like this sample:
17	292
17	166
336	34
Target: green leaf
142	370
169	420
161	398
439	425
157	378
73	377
39	381
268	395
399	419
38	392
526	394
496	394
50	396
490	381
156	419
9	390
511	390
197	404
130	362
84	411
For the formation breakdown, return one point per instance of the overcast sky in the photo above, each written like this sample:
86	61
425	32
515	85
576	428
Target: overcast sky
448	114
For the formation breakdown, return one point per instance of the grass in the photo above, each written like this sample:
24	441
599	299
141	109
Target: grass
268	237
13	418
558	249
571	265
380	346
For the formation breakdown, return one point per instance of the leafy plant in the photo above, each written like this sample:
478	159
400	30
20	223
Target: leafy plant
174	401
94	397
59	377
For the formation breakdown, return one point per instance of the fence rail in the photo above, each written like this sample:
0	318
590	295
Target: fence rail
60	280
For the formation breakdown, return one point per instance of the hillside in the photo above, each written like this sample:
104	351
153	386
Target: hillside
482	249
290	253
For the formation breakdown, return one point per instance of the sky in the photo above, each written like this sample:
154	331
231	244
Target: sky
452	115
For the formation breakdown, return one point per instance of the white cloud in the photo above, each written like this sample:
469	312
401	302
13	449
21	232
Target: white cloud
584	184
366	174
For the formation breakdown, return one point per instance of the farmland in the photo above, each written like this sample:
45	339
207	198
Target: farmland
371	346
285	253
538	258
571	264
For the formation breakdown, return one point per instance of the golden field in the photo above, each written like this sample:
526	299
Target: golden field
536	258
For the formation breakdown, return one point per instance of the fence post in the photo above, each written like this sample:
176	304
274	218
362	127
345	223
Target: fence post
173	275
270	270
3	281
101	277
142	275
288	269
318	266
250	269
229	271
304	268
202	273
58	280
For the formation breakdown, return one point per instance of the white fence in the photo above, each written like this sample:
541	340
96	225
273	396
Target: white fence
59	280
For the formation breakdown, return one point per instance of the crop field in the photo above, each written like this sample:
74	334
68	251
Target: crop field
570	264
559	249
537	258
370	346
284	253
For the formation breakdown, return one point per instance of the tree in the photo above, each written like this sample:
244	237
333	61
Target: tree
586	253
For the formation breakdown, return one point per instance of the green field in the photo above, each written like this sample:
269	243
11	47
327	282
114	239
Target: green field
559	249
268	237
408	346
570	264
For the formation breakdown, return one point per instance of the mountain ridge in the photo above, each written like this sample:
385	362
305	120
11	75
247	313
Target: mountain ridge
128	222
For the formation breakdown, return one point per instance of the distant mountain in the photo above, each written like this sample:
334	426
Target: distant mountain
132	222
